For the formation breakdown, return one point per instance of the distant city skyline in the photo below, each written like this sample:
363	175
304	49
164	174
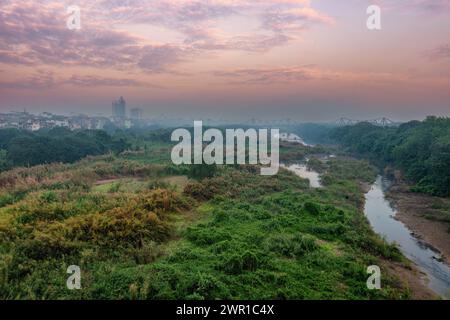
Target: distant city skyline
135	117
154	113
307	60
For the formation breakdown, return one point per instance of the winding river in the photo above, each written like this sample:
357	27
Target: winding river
304	172
381	216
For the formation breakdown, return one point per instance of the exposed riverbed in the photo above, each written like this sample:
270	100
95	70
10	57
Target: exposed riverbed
302	170
381	216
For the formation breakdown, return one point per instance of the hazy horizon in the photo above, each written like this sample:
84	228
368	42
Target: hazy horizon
150	114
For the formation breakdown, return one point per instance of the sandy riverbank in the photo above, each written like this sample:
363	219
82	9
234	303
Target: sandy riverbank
413	279
419	213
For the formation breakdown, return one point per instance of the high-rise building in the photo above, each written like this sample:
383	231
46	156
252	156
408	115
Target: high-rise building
119	109
136	114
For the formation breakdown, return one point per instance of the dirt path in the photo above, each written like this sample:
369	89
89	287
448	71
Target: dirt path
105	181
413	210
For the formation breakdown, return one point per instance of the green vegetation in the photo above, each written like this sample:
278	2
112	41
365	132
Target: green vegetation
420	149
4	161
201	171
23	148
141	230
312	132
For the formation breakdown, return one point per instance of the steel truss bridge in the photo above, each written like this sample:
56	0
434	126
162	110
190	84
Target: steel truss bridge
382	122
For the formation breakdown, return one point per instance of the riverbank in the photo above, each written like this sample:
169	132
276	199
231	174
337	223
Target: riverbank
409	275
424	215
411	278
237	235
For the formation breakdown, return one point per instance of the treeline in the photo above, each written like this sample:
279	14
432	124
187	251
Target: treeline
138	138
421	149
313	133
24	148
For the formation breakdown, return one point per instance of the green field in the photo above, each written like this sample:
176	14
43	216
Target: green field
140	229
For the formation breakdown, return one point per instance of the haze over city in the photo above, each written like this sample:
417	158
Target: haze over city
306	60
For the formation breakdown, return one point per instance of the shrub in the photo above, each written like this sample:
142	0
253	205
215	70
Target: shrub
201	171
128	226
202	235
237	263
311	208
291	246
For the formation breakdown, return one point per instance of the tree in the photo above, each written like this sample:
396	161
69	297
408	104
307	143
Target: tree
201	171
420	149
5	164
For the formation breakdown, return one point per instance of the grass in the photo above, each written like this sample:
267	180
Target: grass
151	233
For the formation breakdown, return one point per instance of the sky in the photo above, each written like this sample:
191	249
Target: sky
306	60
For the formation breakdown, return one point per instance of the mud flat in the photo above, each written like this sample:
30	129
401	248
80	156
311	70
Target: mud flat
413	279
424	215
382	215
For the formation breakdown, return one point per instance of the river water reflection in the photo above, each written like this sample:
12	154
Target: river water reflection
381	216
302	171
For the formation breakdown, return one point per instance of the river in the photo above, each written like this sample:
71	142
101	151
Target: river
381	216
304	172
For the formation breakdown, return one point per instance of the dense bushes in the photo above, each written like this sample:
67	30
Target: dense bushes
420	149
22	148
16	183
283	245
244	183
61	226
291	246
237	235
201	171
238	263
95	218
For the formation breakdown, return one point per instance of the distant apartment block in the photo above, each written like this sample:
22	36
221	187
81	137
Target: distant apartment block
119	109
136	114
46	120
31	122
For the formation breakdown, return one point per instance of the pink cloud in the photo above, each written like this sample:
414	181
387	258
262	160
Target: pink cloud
95	81
42	80
421	6
439	53
267	76
35	33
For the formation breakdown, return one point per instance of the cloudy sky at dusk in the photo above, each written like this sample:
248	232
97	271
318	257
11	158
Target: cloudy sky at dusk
309	60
